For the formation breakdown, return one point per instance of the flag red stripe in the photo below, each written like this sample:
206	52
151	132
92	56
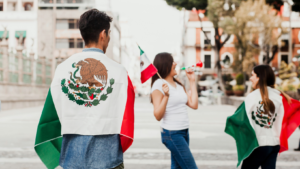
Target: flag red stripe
127	128
291	120
148	73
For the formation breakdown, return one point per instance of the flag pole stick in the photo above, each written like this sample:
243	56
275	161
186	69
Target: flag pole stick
159	75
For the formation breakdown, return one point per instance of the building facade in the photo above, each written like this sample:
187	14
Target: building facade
58	32
19	18
35	36
197	47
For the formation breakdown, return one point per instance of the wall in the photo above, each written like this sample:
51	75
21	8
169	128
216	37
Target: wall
24	82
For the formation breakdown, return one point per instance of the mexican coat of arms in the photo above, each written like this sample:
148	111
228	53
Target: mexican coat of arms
86	88
261	118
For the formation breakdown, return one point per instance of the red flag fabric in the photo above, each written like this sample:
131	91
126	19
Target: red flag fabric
290	122
127	129
147	68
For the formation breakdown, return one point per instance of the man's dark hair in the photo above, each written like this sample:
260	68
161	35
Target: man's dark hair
91	23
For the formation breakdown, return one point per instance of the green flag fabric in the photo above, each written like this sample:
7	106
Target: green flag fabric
238	126
48	137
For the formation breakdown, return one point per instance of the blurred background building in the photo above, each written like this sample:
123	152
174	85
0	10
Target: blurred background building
20	19
197	47
37	35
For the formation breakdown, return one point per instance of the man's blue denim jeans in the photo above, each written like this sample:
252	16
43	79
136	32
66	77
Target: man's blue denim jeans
177	141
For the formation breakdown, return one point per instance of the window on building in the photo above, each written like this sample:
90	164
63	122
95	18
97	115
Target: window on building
285	58
1	6
284	45
62	24
79	43
72	43
67	8
67	24
11	6
284	42
226	61
46	8
207	61
28	6
73	23
208	39
69	43
62	44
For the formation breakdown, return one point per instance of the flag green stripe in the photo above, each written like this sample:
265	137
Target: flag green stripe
238	126
141	51
48	137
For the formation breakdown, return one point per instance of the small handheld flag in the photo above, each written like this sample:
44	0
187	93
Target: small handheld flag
147	68
199	64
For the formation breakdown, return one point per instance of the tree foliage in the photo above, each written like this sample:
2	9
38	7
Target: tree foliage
253	21
215	13
188	4
202	4
235	20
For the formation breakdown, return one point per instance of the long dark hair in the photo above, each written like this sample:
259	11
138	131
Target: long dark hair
163	63
266	78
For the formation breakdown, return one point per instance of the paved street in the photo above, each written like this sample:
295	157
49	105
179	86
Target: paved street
211	147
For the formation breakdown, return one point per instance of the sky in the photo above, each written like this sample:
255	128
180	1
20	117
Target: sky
154	25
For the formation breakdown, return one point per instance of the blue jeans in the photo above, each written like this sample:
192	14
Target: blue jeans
90	152
177	141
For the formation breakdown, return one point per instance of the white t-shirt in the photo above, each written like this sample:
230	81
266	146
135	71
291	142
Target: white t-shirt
176	115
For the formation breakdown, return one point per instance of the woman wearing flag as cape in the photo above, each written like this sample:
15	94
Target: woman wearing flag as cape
170	102
263	123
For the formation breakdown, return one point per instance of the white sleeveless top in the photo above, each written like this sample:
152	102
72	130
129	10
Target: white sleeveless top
176	115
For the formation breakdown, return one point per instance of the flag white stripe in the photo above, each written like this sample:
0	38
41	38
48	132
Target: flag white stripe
144	61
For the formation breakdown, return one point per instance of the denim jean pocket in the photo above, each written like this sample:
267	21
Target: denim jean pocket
162	130
165	135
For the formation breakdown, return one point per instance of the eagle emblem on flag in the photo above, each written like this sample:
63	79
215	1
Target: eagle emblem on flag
262	119
87	82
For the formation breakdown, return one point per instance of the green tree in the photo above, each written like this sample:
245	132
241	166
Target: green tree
215	12
253	20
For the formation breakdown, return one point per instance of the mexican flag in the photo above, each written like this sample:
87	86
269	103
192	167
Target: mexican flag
249	126
73	106
147	68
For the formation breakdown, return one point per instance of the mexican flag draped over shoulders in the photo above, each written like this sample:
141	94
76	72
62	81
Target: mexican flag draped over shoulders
251	128
89	95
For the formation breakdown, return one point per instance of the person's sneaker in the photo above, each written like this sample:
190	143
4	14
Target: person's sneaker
297	149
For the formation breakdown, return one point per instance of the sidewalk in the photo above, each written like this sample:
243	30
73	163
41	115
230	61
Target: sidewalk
211	147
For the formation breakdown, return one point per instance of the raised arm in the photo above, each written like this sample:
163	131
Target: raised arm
160	102
192	95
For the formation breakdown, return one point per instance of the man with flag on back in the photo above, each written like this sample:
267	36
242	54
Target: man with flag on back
263	123
88	117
